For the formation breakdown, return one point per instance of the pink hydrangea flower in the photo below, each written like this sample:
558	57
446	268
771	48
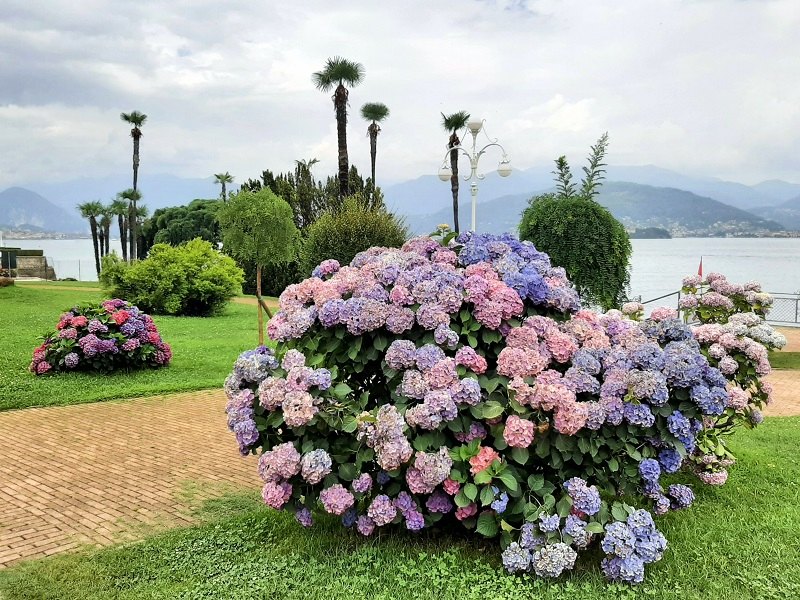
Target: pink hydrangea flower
485	457
451	486
519	432
465	512
275	495
336	499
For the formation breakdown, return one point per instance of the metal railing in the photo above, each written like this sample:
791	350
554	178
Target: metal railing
785	309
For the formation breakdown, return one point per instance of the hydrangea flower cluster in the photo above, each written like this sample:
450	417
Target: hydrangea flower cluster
101	337
733	335
457	383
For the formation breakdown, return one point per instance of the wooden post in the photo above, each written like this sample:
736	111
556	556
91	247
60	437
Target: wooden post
260	315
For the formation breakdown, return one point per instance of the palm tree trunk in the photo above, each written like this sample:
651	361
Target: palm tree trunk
108	236
135	161
454	186
101	240
132	211
260	315
340	103
131	230
373	150
93	225
224	195
123	236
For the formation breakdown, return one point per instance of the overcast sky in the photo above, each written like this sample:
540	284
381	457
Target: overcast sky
700	86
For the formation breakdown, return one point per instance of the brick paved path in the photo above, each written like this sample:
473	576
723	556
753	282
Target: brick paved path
107	472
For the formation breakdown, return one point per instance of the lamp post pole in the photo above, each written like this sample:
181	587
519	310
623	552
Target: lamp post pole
475	126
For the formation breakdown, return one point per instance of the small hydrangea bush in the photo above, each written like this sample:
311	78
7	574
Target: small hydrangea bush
101	337
734	337
457	383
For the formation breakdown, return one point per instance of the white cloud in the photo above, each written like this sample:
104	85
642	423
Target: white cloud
700	86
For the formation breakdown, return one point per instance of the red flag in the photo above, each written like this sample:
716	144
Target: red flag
700	268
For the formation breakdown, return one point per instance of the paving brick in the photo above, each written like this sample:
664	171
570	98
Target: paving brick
111	471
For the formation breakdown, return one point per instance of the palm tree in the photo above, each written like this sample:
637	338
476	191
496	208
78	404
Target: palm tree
338	72
132	196
105	230
141	214
375	112
223	179
90	210
119	207
452	124
136	119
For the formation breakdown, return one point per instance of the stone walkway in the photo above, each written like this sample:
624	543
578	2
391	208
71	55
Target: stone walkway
111	471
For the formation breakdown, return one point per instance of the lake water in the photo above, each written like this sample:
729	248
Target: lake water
658	266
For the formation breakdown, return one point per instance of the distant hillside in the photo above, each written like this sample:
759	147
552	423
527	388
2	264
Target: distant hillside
780	190
637	206
158	191
787	213
26	210
427	194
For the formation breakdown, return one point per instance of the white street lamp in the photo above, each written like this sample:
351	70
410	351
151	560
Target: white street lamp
475	126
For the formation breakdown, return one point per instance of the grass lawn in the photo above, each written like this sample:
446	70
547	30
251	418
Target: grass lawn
738	541
204	350
785	360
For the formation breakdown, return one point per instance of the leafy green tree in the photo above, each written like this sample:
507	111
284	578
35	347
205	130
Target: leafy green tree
337	73
453	124
137	119
376	113
258	227
580	235
90	211
119	207
223	179
343	232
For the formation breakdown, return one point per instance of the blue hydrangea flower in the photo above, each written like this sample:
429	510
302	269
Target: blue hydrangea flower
649	469
515	558
670	460
549	523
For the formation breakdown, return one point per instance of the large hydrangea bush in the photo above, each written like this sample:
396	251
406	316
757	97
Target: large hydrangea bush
457	382
101	337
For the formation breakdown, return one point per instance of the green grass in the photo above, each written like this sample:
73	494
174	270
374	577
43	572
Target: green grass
738	541
204	350
785	360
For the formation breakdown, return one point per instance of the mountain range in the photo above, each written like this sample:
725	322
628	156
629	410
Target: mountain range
639	196
24	209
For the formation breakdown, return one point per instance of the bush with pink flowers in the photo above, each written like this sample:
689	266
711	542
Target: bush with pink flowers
457	383
101	337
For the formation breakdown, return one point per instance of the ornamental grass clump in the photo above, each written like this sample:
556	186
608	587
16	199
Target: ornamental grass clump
109	336
456	383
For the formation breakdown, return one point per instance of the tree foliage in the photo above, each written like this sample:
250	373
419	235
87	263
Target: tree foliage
580	235
343	232
258	227
178	224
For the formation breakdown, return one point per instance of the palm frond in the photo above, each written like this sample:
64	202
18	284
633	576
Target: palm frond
454	122
337	71
135	118
374	111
